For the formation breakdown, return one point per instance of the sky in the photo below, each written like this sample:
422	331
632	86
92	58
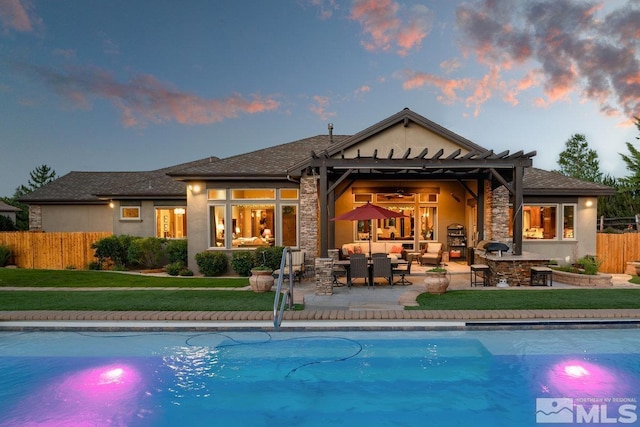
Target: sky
125	85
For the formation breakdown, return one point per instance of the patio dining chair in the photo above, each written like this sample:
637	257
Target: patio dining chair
382	268
403	270
358	268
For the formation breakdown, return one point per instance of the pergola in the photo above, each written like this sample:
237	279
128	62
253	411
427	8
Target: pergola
503	168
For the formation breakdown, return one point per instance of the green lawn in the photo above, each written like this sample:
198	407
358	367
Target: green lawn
221	300
531	299
143	300
96	279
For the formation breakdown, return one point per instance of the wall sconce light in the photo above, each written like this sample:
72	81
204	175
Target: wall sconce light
194	188
589	203
111	204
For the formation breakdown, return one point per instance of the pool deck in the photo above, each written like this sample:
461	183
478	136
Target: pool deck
355	306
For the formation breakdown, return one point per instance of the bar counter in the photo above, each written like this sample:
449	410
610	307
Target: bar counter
515	269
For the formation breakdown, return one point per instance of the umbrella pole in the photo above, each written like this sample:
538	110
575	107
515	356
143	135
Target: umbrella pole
370	230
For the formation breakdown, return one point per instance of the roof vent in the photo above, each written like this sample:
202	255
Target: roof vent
330	126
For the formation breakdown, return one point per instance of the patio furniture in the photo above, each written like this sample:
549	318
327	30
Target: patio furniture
541	276
483	269
297	264
358	269
382	268
403	270
431	254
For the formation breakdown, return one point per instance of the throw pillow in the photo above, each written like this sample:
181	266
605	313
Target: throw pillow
357	250
396	249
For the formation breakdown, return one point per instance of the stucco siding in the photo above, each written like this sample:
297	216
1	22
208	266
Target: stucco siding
400	138
70	218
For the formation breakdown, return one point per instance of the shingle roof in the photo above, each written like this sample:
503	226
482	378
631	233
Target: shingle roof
539	182
274	162
8	208
271	161
95	187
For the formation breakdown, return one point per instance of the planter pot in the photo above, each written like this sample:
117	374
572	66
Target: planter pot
436	283
261	280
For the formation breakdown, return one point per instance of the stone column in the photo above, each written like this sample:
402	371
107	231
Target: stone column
324	276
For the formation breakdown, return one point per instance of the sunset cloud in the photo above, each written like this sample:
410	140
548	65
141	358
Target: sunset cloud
14	16
389	25
320	107
578	47
144	99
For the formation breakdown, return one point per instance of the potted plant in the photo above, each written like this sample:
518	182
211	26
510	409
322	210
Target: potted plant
436	281
261	279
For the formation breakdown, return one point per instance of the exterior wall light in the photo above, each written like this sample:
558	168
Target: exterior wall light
194	188
589	203
111	204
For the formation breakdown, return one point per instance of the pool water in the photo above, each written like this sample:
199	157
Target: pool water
461	378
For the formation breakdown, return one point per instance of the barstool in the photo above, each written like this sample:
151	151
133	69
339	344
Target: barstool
479	268
539	276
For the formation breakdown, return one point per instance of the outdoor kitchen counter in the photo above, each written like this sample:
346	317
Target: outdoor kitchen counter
515	269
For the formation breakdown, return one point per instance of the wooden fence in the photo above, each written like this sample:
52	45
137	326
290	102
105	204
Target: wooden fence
615	250
55	251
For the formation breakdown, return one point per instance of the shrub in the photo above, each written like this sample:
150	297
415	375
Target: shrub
95	265
184	271
269	256
5	254
177	251
242	262
590	264
212	263
174	268
6	224
147	252
113	249
611	230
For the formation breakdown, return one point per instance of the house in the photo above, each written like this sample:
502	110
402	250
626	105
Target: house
287	194
8	211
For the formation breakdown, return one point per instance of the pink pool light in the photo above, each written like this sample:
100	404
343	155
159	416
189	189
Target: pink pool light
104	395
579	378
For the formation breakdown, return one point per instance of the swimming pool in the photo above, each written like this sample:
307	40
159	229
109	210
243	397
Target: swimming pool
436	378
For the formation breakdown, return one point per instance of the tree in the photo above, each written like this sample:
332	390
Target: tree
40	176
579	161
622	204
632	182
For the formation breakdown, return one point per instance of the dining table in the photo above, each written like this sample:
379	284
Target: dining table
347	266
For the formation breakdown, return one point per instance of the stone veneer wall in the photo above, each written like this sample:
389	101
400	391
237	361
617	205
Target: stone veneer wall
516	272
309	217
35	218
500	215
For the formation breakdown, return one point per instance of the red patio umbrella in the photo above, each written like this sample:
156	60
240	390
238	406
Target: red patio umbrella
368	211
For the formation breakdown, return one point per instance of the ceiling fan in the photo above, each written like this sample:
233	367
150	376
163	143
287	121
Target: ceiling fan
397	194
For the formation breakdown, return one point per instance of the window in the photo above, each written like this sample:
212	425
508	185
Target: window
253	193
568	221
253	225
539	222
289	194
216	226
216	194
428	223
254	217
171	223
130	213
290	225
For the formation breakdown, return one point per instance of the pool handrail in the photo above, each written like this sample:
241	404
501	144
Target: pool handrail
281	301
